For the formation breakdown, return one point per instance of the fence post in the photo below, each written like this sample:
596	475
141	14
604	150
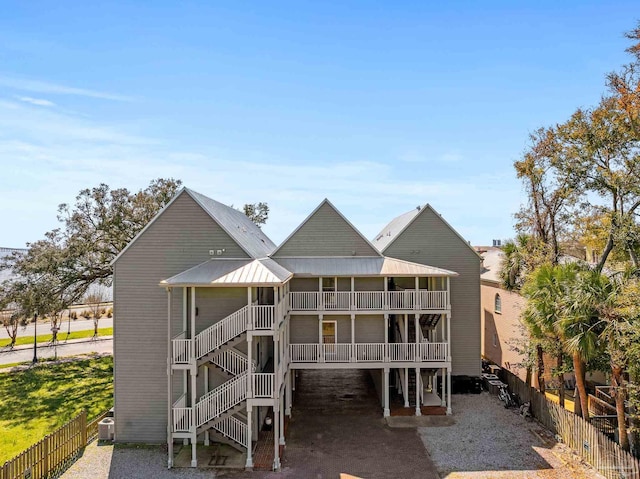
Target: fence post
83	427
45	456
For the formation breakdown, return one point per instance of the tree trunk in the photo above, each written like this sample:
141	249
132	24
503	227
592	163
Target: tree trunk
560	378
619	393
540	372
528	378
581	384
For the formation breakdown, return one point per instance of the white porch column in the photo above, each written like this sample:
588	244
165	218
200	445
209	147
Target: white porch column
287	394
352	299
276	435
249	463
417	328
250	313
320	346
280	408
194	437
386	338
185	305
169	384
205	377
386	412
249	365
443	388
418	385
353	338
448	391
276	364
405	391
416	302
385	301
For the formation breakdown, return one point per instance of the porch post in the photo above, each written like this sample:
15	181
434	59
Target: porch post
417	328
353	338
194	437
448	390
280	408
385	301
320	345
418	384
287	394
386	412
386	338
205	377
276	435
443	392
249	365
416	302
169	390
406	370
249	313
249	463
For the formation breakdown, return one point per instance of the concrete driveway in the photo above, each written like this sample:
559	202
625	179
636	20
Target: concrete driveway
337	427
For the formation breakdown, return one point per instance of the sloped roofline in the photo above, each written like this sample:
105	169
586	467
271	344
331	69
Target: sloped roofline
422	210
323	202
159	213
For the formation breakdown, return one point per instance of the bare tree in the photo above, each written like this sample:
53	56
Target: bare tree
95	301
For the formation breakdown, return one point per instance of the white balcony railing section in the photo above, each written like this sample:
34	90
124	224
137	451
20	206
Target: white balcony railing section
221	399
368	352
233	429
181	349
181	415
368	300
262	317
263	385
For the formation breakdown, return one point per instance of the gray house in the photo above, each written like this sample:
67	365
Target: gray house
213	320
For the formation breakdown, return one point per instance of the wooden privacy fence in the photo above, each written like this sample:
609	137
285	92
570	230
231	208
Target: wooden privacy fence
587	441
50	456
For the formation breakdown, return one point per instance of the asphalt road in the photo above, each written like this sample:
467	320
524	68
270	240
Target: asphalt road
70	349
45	328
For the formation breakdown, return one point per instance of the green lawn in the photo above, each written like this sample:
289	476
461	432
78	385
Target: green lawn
38	400
62	336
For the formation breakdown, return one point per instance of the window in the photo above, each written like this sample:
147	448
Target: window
329	284
498	304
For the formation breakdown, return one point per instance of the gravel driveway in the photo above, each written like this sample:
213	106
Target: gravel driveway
489	441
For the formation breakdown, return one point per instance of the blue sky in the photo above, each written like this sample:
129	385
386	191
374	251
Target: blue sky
379	106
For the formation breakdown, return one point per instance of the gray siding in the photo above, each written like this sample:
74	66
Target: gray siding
304	329
305	284
326	233
428	240
369	284
369	329
180	238
215	304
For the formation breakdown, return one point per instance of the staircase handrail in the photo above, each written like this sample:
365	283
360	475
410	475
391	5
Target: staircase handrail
221	399
221	332
234	429
230	361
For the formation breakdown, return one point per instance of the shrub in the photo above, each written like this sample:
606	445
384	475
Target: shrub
86	314
110	313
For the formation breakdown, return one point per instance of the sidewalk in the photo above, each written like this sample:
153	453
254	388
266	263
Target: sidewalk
24	353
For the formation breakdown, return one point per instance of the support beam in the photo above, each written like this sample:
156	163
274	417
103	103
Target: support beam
287	393
169	386
250	365
448	391
443	388
280	408
405	389
205	377
418	385
249	463
276	435
194	457
387	411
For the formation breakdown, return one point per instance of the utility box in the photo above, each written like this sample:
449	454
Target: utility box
106	429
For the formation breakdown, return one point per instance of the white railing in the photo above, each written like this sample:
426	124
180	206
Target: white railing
181	349
263	385
369	300
304	353
368	352
433	351
336	300
433	299
304	301
233	429
337	353
402	351
262	316
409	299
221	332
221	399
182	419
230	361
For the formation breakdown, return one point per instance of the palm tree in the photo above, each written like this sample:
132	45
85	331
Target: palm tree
544	291
578	323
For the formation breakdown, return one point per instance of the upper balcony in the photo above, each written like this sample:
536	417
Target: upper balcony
371	301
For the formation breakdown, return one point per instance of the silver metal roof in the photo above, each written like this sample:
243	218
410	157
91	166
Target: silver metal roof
395	227
244	231
360	266
227	272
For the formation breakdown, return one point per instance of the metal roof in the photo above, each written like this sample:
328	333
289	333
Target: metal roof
395	227
360	266
244	231
231	272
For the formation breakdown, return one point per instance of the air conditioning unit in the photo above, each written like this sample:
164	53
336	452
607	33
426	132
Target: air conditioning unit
106	429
